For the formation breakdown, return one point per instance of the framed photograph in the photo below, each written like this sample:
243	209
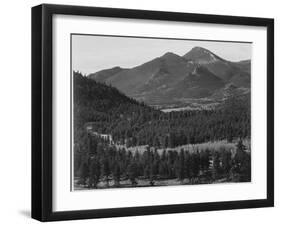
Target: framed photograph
146	112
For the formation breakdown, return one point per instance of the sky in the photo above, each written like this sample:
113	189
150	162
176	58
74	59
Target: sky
93	53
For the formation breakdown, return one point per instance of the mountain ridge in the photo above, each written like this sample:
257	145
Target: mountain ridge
171	76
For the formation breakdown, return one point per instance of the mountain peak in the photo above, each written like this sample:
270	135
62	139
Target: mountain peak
169	55
198	48
201	55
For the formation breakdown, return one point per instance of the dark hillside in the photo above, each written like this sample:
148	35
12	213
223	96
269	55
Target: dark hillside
108	111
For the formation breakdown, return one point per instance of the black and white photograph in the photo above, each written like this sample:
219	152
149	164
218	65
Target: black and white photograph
159	112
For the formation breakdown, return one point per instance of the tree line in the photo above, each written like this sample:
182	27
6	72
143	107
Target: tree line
103	163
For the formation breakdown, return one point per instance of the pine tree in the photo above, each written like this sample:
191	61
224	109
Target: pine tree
216	165
95	172
106	169
187	165
226	162
195	165
92	145
204	160
133	172
164	155
84	173
117	174
171	143
242	162
181	166
78	157
163	169
151	174
146	171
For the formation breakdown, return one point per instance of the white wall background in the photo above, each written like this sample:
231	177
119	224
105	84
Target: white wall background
15	114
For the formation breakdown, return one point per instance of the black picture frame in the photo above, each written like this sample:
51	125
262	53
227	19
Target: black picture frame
42	111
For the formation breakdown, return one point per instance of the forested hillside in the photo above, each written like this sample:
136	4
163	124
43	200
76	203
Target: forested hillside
102	110
110	112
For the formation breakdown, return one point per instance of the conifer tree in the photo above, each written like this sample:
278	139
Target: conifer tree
181	166
226	162
84	173
216	165
117	174
106	169
95	172
133	172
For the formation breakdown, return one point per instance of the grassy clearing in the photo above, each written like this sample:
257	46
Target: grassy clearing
222	145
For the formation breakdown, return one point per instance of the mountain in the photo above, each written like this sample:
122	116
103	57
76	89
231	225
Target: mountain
199	83
244	65
103	75
165	70
201	55
237	73
172	78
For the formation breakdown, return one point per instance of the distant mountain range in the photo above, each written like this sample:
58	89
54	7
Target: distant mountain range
173	80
